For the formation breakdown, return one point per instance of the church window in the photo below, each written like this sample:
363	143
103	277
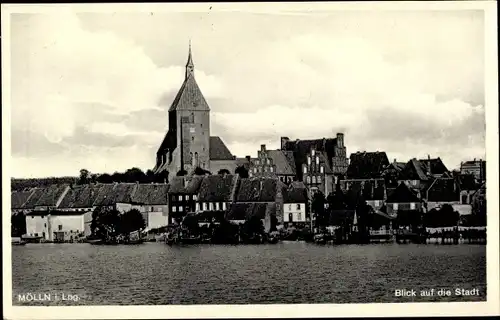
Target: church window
308	179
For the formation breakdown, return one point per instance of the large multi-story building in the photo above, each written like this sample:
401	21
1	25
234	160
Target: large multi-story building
474	167
188	144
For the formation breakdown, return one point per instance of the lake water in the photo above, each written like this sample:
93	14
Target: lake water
156	274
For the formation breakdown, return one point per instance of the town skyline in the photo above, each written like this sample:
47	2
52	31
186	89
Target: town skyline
117	105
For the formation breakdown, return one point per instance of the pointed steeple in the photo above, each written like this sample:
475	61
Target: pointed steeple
189	64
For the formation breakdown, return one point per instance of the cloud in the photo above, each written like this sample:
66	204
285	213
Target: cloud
93	90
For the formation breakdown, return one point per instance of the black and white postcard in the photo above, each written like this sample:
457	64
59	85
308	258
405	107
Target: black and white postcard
250	160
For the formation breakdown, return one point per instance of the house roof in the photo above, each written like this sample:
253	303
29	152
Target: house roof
283	161
295	195
218	150
436	165
19	198
46	196
189	97
151	194
365	165
256	190
244	211
402	194
217	188
185	184
104	191
443	190
121	193
82	196
422	169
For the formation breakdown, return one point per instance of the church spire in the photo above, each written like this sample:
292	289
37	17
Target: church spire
189	64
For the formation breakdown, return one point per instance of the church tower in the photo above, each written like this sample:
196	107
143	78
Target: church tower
187	142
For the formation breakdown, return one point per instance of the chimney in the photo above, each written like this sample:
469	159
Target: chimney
262	147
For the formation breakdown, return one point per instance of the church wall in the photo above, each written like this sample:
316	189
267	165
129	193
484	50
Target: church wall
195	138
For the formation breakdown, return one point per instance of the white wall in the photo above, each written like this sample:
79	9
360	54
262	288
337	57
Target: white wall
37	225
298	214
71	223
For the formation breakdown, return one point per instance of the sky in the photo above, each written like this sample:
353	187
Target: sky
92	90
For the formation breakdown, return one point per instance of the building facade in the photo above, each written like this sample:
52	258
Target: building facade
277	164
475	167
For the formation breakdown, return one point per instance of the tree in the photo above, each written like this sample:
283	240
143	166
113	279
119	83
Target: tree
252	228
131	221
190	222
318	209
223	172
105	223
18	224
84	177
134	175
241	171
104	178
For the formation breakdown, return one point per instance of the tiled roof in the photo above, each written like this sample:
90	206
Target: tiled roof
104	191
295	195
185	184
189	97
151	194
121	193
169	142
19	198
217	188
82	196
283	161
256	190
244	211
436	165
443	190
48	196
365	165
218	150
402	194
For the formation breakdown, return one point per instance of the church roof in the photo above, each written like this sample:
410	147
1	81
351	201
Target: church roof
189	97
219	150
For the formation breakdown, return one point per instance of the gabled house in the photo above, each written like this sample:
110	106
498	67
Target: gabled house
216	193
317	173
277	164
419	174
295	205
403	199
182	196
364	167
333	148
391	174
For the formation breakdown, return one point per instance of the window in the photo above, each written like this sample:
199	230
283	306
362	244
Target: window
43	216
299	216
321	169
395	206
268	161
210	206
197	206
256	161
259	169
255	170
308	160
223	206
204	206
265	169
217	206
174	209
43	234
192	138
464	199
181	209
45	225
314	179
308	179
180	198
317	160
290	217
290	207
377	203
60	227
271	169
412	206
319	179
298	206
305	170
195	197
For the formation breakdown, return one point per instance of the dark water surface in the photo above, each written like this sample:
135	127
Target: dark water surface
156	274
